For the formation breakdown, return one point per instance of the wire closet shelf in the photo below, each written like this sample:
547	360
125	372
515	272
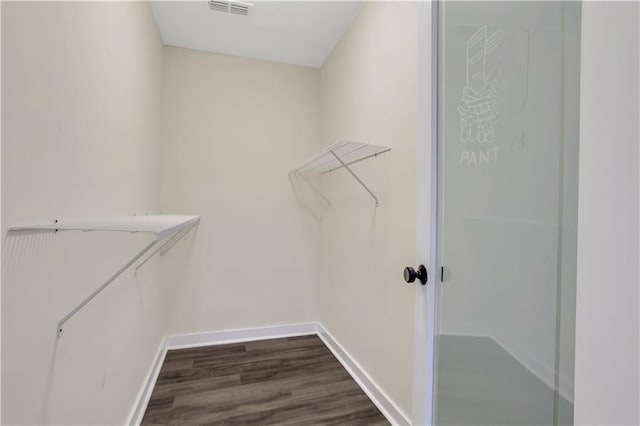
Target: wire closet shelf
340	155
167	231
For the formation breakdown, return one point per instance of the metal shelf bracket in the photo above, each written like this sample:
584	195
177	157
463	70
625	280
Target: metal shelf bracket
162	248
104	285
342	163
167	231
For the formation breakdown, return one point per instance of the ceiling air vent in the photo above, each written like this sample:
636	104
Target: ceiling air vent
234	7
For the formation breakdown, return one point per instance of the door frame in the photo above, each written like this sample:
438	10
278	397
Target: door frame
602	23
427	215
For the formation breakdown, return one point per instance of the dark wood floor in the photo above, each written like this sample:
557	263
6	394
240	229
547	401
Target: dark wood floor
294	381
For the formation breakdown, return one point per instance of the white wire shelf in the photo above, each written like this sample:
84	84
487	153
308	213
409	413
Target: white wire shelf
160	225
340	155
348	153
168	229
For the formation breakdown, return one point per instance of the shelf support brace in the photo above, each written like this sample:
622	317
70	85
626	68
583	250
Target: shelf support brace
167	245
354	176
179	235
111	279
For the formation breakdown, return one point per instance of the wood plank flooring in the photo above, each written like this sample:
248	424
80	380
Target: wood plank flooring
290	381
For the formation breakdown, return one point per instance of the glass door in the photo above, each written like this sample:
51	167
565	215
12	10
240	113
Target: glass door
508	88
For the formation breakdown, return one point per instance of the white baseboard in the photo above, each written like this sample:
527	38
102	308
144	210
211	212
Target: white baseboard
208	338
375	393
180	341
140	404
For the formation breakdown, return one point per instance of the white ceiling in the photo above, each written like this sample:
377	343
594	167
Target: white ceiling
292	32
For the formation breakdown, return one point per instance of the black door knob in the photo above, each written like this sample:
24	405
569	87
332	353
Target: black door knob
411	274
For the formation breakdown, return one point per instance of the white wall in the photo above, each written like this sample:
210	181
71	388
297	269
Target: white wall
607	390
232	129
80	95
369	94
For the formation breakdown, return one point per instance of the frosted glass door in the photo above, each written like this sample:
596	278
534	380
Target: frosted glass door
508	84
